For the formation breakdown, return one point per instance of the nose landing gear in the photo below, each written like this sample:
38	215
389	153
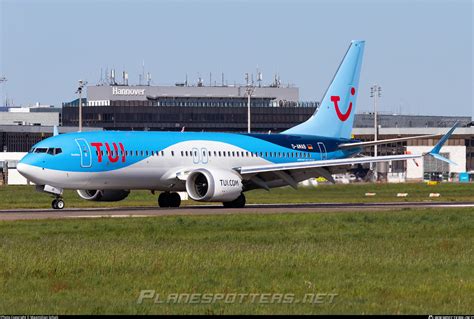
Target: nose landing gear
58	203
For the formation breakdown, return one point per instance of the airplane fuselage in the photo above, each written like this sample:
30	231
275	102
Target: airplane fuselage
151	160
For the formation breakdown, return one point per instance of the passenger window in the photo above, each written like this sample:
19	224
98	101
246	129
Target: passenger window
172	153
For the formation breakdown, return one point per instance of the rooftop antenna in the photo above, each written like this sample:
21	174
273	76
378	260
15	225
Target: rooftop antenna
199	81
101	80
2	80
106	74
112	77
125	78
148	78
210	78
222	79
259	78
143	69
186	82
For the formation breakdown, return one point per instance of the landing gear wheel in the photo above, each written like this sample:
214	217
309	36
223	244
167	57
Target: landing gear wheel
60	204
239	202
163	199
175	200
167	199
57	203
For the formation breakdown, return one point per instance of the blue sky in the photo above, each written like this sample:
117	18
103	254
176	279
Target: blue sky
419	52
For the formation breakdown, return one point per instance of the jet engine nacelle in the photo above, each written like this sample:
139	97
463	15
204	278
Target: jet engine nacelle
213	185
103	195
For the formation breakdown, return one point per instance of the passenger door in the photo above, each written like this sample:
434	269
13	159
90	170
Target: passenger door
322	151
85	151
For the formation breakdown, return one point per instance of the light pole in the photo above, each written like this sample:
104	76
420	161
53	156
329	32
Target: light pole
82	84
250	88
375	92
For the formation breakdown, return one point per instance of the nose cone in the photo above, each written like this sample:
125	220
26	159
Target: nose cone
22	168
28	171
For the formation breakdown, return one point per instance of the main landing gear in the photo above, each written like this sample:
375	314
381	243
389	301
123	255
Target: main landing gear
167	199
58	203
239	202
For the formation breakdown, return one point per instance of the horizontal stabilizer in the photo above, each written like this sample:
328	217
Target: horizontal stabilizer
442	158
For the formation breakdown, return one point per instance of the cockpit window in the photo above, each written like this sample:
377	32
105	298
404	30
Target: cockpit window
54	151
50	150
32	150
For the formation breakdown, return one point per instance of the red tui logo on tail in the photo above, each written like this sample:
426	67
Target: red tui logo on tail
342	116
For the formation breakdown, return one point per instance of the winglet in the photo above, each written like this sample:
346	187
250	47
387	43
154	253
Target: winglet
55	130
435	151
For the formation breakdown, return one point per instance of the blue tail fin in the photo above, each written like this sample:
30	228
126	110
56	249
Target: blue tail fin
335	115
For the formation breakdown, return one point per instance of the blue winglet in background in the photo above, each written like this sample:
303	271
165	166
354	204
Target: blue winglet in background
435	151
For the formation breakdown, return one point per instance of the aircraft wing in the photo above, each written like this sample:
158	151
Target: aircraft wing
323	163
246	170
387	141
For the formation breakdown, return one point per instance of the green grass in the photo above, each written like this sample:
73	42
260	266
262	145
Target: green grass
410	261
27	197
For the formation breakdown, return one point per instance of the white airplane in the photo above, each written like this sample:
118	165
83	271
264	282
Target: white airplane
210	167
